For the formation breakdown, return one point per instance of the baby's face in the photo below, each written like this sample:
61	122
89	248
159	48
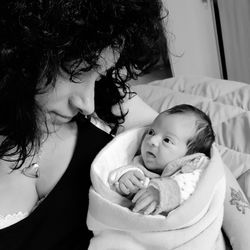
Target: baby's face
166	140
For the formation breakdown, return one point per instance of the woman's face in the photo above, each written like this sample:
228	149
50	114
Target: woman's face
63	101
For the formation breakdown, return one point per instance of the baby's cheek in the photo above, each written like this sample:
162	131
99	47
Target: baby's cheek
143	147
163	159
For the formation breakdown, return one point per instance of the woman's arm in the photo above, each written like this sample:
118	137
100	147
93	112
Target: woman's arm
140	113
236	222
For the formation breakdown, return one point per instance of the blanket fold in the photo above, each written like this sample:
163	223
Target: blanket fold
196	224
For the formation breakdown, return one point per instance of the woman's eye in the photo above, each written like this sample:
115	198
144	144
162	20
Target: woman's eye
76	79
150	132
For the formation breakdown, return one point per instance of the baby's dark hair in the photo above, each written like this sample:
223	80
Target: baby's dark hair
204	136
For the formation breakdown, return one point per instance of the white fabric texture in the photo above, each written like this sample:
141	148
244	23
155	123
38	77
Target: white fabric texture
187	183
10	219
115	226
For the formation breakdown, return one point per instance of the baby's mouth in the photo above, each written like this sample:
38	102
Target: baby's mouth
150	154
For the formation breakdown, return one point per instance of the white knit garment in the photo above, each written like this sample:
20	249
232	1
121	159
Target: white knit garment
10	219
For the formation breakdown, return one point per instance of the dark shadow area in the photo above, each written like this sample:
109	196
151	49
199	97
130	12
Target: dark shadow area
161	70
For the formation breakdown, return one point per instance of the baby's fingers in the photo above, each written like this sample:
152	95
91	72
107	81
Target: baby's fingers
139	175
136	182
142	204
139	195
151	208
124	189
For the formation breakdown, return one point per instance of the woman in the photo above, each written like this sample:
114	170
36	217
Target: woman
63	62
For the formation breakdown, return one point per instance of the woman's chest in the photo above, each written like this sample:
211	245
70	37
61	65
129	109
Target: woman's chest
19	189
56	155
17	192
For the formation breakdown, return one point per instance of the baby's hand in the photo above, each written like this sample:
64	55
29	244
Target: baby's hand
146	200
131	182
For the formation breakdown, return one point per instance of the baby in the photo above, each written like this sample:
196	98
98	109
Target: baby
174	152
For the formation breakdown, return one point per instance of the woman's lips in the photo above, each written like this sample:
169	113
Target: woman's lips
59	118
63	116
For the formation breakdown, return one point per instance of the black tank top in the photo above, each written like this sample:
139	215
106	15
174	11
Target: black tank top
59	222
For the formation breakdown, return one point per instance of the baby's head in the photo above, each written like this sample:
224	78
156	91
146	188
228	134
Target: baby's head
176	132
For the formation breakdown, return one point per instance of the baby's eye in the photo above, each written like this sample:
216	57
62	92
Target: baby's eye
167	140
151	131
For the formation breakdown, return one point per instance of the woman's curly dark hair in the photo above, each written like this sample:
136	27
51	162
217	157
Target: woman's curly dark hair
39	37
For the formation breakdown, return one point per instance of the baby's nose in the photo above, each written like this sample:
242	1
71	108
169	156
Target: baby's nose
154	140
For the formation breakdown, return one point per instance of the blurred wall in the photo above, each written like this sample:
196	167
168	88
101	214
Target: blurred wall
192	38
235	26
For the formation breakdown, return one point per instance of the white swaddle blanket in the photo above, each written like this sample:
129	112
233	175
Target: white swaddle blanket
196	224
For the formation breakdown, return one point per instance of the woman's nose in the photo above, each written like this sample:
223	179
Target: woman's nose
84	99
